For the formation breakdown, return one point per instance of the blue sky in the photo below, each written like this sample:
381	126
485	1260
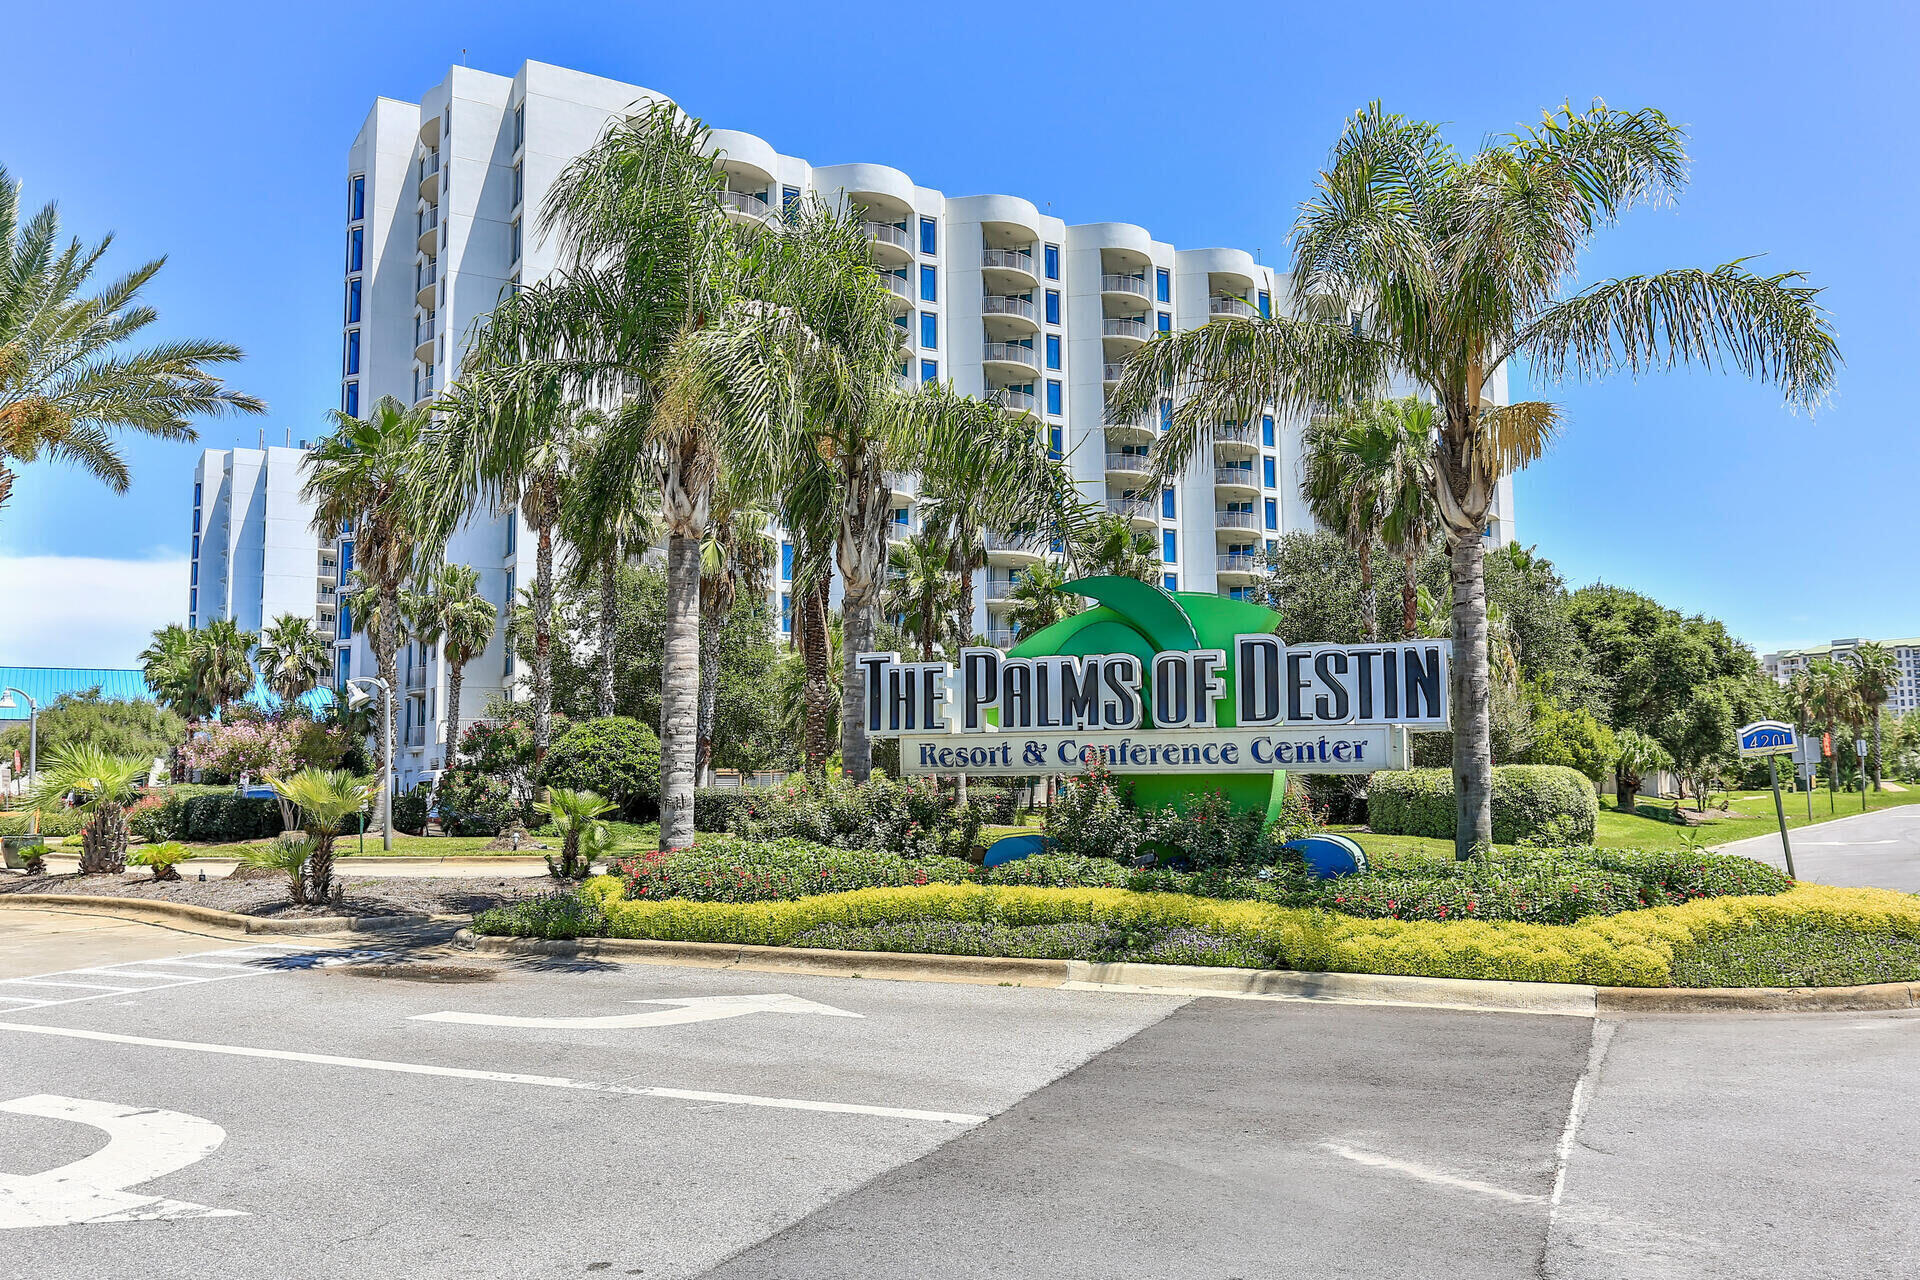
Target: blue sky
220	142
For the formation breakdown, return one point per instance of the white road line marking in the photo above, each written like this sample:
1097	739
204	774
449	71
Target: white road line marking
498	1077
205	964
1577	1108
1840	844
49	982
142	1144
1425	1173
698	1009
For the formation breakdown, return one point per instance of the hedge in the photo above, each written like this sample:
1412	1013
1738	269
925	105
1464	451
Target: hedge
715	808
1530	802
618	757
1633	949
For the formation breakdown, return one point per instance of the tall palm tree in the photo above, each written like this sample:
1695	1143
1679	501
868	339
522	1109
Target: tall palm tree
68	380
1040	599
1109	546
1835	697
1414	262
367	475
222	668
168	667
1876	676
449	610
922	594
647	258
1368	474
294	657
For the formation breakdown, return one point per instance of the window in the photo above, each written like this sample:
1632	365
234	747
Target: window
789	202
354	248
1053	306
356	197
1266	430
1172	581
1169	546
346	622
1051	255
1166	415
346	560
1053	351
1266	305
1056	443
1273	513
929	329
929	284
513	533
353	351
196	494
929	236
1266	472
786	613
1162	284
196	516
516	240
786	562
929	371
1166	504
520	126
193	573
1166	322
353	302
519	184
1053	396
350	400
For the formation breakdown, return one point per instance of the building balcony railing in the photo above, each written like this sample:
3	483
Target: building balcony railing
1000	585
417	735
1235	520
1131	508
1241	564
899	530
1138	463
886	233
1002	637
1007	260
1113	370
1231	433
1130	284
1230	306
747	202
896	285
1015	399
1003	542
416	678
1242	476
1123	327
429	165
1011	353
997	304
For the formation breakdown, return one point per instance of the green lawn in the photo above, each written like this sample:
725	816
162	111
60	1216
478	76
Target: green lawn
1749	813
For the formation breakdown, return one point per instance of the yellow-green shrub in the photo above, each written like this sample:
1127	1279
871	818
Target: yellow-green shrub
1633	949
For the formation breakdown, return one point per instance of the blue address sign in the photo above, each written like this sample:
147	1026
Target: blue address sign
1766	738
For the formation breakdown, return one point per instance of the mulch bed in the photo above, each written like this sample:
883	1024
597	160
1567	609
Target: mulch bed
267	896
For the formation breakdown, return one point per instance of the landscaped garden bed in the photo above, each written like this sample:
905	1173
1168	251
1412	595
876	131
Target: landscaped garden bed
266	895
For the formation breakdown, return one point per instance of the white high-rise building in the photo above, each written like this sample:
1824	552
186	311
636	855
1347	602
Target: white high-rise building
1787	663
443	196
255	555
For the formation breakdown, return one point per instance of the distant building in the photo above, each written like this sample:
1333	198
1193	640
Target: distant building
255	555
1787	663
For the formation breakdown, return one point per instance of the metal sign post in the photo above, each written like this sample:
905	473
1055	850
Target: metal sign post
1771	739
1860	754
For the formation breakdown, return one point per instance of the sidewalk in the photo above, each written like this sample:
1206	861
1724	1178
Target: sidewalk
514	866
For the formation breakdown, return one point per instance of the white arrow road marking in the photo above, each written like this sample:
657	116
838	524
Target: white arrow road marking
698	1009
142	1144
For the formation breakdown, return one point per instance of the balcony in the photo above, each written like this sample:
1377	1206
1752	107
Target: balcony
1236	434
425	277
1113	370
897	286
898	482
1018	550
1228	306
1000	585
1138	510
1124	329
1137	464
1129	289
430	177
1020	309
1240	565
417	735
416	678
1015	400
1014	262
900	530
750	204
423	339
1235	478
1021	359
890	243
323	594
428	225
1235	520
1002	637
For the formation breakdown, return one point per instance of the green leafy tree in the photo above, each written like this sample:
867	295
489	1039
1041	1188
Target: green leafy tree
923	596
222	665
167	666
1416	262
70	378
1836	698
449	610
1109	546
1572	737
294	657
132	727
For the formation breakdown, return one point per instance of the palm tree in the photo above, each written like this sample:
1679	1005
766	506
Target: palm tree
1399	435
168	667
1413	262
326	800
68	383
222	668
610	517
1111	547
1835	697
1876	676
102	785
922	593
367	475
735	558
583	837
294	657
1347	467
449	611
1636	756
1040	599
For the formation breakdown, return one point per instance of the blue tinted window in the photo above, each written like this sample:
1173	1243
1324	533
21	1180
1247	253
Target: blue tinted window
193	573
353	249
196	516
196	493
929	285
1053	396
1169	546
1162	285
1166	322
346	560
196	546
1266	467
1173	581
351	401
513	533
929	329
1266	430
346	622
929	235
342	668
1053	306
1052	259
789	201
1053	351
1273	513
1166	415
353	302
1266	303
356	197
1166	504
786	562
1056	443
353	351
786	612
929	371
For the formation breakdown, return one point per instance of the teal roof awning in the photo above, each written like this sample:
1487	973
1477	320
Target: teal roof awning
44	684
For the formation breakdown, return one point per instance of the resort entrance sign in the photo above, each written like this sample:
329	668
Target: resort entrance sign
1240	703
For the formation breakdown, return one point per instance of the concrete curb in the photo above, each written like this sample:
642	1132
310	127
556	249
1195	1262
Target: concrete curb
1867	999
149	908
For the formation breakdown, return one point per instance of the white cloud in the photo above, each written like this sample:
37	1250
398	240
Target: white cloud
84	611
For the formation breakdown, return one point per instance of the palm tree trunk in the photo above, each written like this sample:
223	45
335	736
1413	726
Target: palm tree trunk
709	699
386	652
320	868
1369	604
543	644
680	691
609	626
863	556
6	483
816	648
1472	721
455	673
1410	597
1875	709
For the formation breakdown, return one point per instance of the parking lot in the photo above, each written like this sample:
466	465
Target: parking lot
318	1109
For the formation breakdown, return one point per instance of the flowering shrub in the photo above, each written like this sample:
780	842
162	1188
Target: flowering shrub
253	747
1094	815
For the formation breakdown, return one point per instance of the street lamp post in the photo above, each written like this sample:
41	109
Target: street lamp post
357	697
33	729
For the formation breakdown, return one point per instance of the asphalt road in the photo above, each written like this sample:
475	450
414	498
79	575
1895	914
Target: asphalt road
1879	849
294	1114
